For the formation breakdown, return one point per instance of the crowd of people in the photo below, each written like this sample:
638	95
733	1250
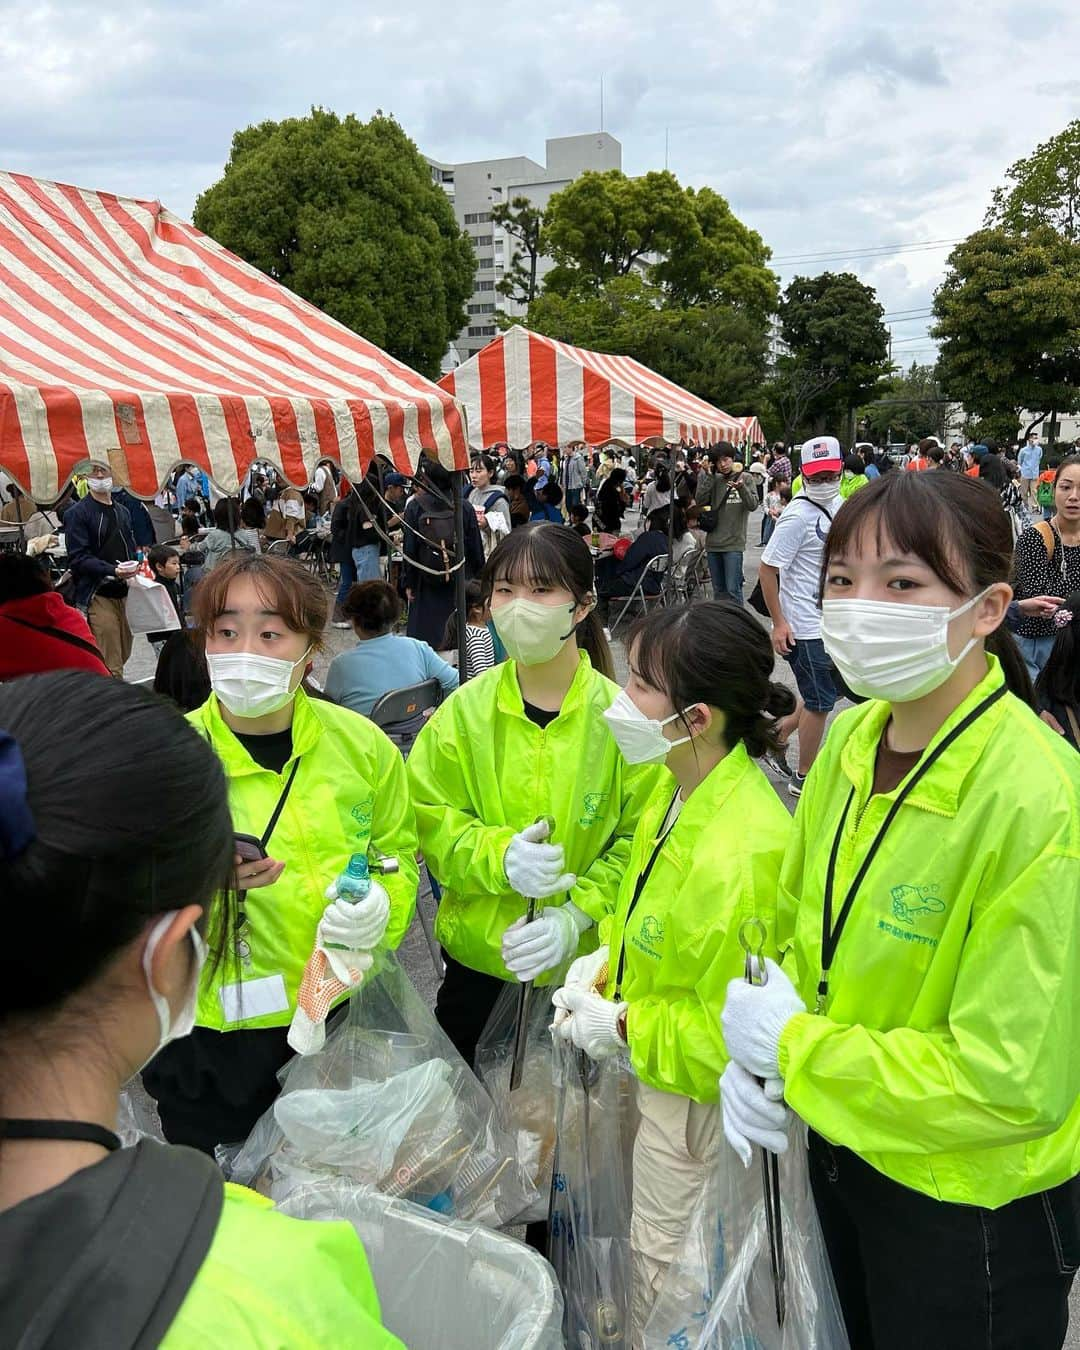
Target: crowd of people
921	1005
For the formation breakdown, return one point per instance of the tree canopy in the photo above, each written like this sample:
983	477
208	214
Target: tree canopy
345	214
1008	320
1044	189
912	405
524	223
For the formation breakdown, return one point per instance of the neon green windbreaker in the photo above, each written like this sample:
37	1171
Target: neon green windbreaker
269	1282
480	771
719	865
349	792
948	1055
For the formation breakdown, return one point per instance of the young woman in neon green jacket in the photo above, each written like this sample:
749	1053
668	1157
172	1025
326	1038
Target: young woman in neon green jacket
314	784
926	1020
126	844
525	739
705	859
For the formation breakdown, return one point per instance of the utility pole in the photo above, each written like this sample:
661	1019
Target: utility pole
601	102
667	135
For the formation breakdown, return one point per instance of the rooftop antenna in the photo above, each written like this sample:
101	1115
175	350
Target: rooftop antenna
667	135
601	102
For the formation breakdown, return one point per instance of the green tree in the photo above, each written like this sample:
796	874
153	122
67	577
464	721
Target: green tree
524	222
345	214
1008	320
832	323
722	262
794	387
1044	189
912	405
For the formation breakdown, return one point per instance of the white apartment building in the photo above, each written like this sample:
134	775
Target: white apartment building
475	188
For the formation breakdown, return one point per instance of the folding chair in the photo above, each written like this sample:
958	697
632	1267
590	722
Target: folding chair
400	714
683	576
655	567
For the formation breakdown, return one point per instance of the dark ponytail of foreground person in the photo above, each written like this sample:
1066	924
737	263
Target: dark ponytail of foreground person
957	526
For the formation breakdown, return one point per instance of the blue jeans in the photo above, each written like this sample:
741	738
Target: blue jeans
1036	653
727	575
573	497
768	524
366	562
348	579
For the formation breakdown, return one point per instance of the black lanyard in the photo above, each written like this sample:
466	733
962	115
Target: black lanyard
271	824
830	936
639	887
77	1131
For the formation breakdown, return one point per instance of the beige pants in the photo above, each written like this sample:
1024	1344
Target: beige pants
109	625
674	1151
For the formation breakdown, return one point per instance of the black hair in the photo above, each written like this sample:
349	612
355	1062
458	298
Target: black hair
160	554
474	599
485	462
955	525
1059	679
373	606
433	476
135	824
181	673
227	514
579	511
992	471
253	514
22	576
663	479
854	464
717	653
554	554
553	493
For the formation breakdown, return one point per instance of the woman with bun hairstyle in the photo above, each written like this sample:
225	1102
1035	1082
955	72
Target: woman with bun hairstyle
115	868
925	1019
705	858
524	740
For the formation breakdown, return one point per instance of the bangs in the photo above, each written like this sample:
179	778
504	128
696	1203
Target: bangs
552	555
903	513
283	586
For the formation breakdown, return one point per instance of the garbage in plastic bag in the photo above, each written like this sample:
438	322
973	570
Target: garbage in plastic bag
591	1198
137	1117
528	1113
442	1282
718	1293
388	1103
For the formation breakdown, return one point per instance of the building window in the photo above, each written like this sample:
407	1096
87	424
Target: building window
477	217
485	285
485	259
482	240
485	331
482	309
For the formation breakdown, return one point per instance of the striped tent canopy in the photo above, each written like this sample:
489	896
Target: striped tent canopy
129	336
752	433
523	388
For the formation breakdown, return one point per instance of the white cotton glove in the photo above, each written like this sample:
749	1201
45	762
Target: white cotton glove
535	869
528	949
583	974
592	1024
755	1015
355	927
753	1114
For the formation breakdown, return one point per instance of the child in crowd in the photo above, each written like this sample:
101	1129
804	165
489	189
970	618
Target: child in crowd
579	520
164	562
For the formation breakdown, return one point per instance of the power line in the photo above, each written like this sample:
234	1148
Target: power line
864	251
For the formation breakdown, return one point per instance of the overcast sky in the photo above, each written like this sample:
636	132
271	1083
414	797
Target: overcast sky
829	127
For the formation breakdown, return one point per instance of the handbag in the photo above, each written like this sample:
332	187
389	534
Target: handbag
756	598
149	608
709	518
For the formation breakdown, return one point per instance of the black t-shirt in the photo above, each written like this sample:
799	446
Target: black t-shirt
270	751
541	716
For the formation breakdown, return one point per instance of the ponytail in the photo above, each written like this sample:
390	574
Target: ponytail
591	640
1002	644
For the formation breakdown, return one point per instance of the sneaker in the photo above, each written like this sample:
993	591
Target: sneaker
339	620
795	783
777	764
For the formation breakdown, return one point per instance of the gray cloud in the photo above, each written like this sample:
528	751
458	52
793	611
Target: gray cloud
878	56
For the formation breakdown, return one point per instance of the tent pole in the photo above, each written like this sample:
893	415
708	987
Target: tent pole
459	575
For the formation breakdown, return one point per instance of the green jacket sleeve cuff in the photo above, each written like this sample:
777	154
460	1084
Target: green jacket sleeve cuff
793	1028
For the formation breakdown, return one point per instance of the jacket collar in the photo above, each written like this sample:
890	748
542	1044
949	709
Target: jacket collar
939	791
701	808
306	731
509	693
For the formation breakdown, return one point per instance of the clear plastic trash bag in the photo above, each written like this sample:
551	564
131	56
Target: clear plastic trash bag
388	1103
137	1117
718	1293
527	1113
442	1283
591	1201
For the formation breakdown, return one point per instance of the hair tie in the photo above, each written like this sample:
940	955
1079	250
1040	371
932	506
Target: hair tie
17	829
1062	618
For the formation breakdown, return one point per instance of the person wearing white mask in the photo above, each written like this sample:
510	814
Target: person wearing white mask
144	1245
790	575
705	860
310	784
924	1020
101	554
525	740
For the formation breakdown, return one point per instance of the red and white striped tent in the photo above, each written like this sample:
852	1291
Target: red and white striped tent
523	388
752	433
123	329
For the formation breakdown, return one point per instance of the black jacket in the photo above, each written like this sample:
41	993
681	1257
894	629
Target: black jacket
86	524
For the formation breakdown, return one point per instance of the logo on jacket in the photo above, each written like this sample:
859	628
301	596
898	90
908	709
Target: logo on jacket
361	812
591	806
912	902
649	936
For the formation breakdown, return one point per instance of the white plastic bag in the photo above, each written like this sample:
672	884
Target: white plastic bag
149	609
718	1293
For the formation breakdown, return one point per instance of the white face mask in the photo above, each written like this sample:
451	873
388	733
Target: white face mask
820	492
102	485
885	649
533	633
641	739
170	1028
250	685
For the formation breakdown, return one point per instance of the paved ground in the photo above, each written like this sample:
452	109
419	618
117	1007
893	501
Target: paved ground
415	952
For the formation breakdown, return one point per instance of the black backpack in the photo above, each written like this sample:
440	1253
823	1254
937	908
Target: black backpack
436	548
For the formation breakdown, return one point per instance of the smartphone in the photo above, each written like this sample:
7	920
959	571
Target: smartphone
248	847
